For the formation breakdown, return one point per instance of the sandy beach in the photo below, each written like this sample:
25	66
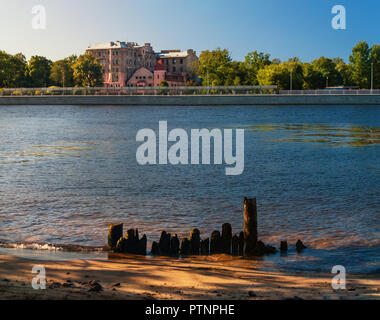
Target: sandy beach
133	277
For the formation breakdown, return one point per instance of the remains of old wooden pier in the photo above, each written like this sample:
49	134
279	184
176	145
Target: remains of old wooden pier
244	243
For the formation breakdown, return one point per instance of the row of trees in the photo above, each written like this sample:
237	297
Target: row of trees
214	68
38	72
217	68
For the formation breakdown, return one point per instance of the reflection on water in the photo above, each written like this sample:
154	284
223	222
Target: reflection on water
66	172
331	135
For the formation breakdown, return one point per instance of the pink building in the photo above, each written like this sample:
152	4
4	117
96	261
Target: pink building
120	60
128	64
172	78
143	77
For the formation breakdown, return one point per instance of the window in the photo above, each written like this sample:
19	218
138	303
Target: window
174	61
174	69
181	61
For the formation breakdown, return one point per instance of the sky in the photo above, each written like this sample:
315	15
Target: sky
293	28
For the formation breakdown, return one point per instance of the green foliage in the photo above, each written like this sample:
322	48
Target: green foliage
12	70
374	58
360	62
38	72
253	62
87	71
280	75
62	73
216	68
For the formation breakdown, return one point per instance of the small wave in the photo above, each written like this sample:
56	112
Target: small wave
52	247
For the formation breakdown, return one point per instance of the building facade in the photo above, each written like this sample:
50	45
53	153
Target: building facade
122	60
173	79
143	77
177	61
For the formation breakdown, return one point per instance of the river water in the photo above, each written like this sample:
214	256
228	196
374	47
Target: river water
66	172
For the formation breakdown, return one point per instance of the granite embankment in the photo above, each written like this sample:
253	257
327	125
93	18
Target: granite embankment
194	100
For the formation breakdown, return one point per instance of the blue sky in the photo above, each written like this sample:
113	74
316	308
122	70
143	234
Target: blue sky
283	28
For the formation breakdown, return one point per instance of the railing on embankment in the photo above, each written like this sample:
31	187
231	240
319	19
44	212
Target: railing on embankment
186	96
138	91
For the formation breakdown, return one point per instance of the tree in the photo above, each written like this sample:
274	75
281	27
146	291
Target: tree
327	69
216	68
345	71
280	74
88	71
12	70
360	62
253	62
312	78
62	73
38	72
374	57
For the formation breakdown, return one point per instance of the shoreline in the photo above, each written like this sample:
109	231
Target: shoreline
158	278
196	100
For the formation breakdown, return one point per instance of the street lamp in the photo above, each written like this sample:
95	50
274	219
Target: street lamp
327	81
291	80
371	76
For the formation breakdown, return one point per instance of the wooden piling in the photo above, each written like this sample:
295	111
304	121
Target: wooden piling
195	241
174	246
142	245
235	245
215	243
115	232
164	243
226	238
155	249
185	247
205	247
250	226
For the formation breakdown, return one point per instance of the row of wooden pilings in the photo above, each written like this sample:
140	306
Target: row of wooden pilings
244	243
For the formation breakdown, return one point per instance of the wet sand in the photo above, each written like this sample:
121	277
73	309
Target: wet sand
133	277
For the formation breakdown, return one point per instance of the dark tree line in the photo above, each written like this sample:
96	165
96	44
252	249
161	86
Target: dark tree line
214	68
39	72
217	68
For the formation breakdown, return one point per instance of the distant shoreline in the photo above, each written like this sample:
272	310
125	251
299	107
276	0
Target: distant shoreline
196	100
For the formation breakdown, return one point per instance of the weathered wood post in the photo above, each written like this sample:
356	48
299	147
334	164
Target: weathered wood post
174	245
142	245
250	226
241	243
164	243
235	245
205	247
185	246
215	243
195	241
115	232
155	249
226	238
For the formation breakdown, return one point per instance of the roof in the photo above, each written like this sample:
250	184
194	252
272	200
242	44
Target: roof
159	66
173	54
109	45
